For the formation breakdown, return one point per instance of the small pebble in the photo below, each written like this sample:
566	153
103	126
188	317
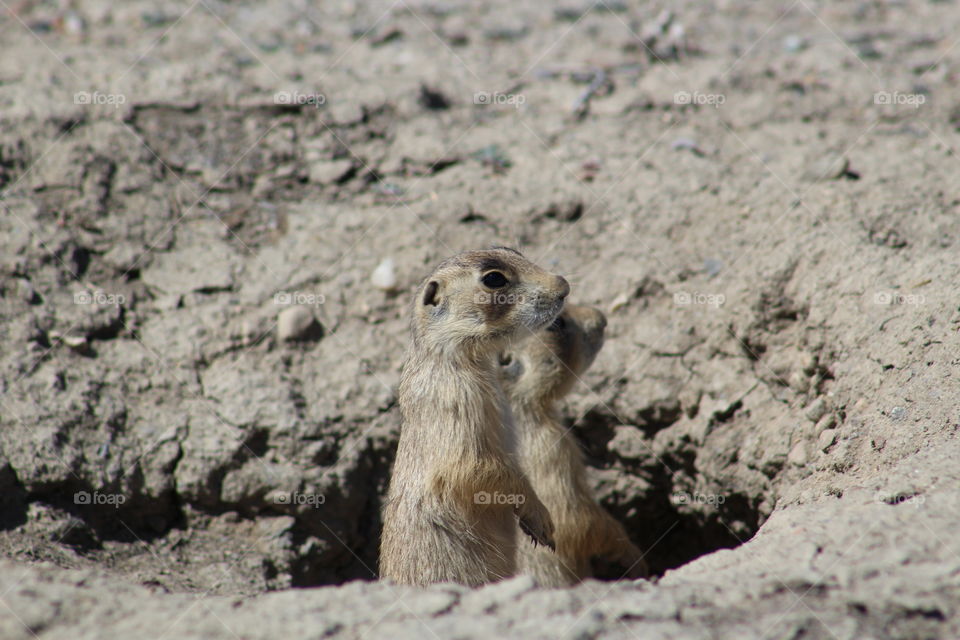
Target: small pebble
74	24
75	342
384	277
619	302
828	421
297	323
794	43
331	171
827	167
826	439
798	455
687	144
816	410
799	381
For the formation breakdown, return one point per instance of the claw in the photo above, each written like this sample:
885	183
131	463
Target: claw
539	537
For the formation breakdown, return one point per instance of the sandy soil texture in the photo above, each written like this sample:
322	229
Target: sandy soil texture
198	366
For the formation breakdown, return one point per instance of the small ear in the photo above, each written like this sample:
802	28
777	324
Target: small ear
430	294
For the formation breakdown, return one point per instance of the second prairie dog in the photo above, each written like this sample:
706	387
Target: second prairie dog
536	375
456	491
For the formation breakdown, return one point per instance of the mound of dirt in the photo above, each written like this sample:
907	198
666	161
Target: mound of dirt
198	374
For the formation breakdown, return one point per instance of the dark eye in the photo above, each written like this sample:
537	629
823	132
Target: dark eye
505	359
494	280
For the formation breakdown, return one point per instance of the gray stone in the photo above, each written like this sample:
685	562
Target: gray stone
798	454
384	277
826	439
826	167
816	409
297	323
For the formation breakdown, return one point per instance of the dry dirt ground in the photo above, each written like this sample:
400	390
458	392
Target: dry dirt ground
197	375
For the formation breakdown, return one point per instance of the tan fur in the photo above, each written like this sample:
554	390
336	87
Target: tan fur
536	375
457	438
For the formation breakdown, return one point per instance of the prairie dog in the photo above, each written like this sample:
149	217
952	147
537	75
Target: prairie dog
457	490
536	375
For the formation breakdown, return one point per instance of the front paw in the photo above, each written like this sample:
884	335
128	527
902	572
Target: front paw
537	523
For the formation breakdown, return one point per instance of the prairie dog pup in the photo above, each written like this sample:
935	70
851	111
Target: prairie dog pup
457	489
536	375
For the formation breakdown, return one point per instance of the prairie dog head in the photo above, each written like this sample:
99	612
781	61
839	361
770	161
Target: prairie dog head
485	299
544	368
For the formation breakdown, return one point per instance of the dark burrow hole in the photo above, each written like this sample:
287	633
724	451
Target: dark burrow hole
651	495
671	534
